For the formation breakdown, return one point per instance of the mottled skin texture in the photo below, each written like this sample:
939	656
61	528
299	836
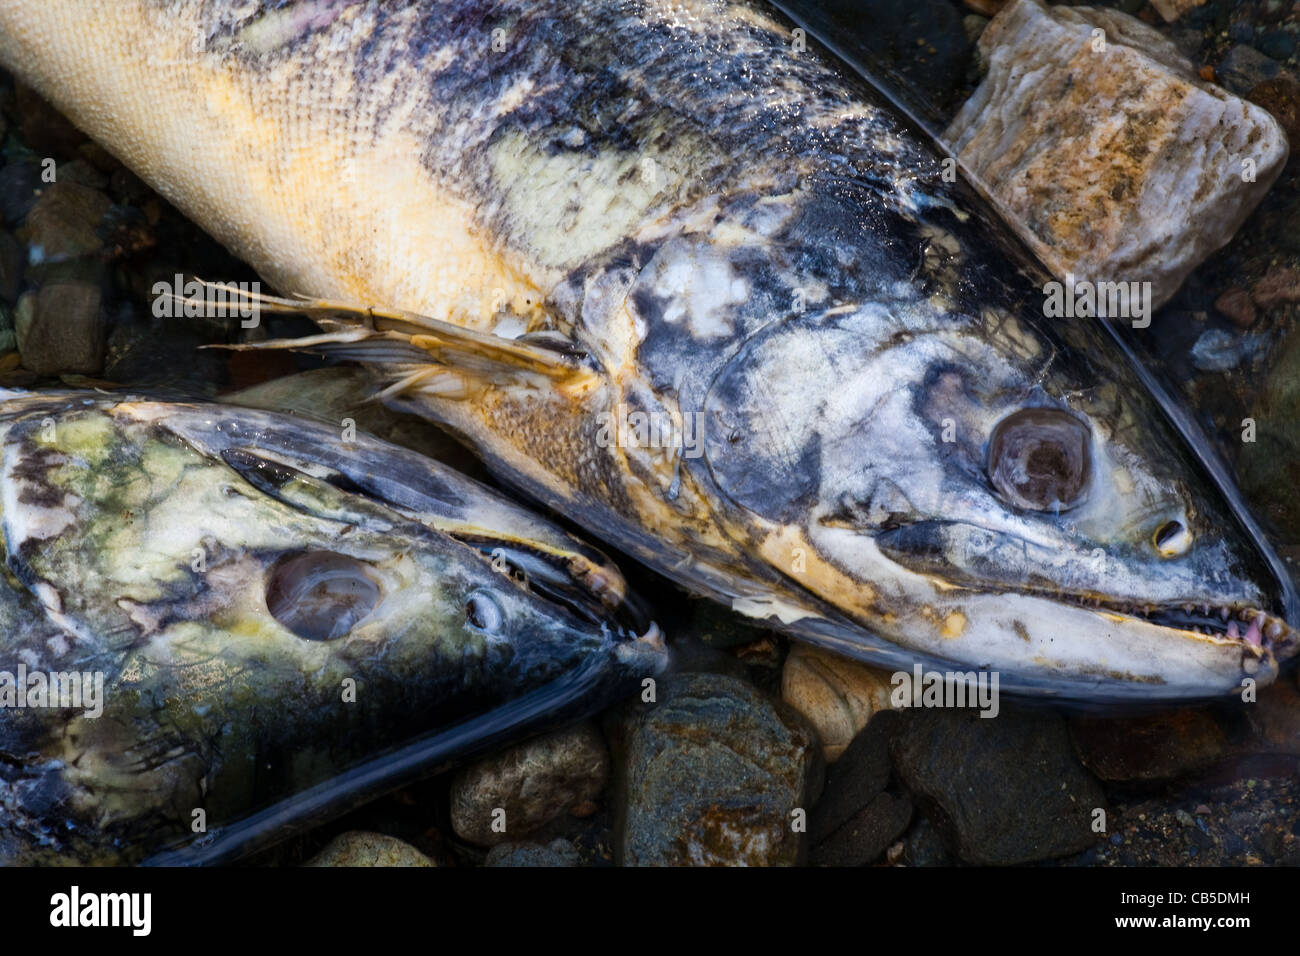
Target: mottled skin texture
209	700
724	231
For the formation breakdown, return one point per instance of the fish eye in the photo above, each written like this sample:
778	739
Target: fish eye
1039	459
484	613
320	595
1172	539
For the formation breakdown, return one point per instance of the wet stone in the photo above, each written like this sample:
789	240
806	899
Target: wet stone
1243	68
1278	44
64	224
856	820
60	330
1280	286
556	853
1008	790
44	129
861	774
80	172
1156	747
837	695
1218	350
533	783
19	187
8	340
360	848
864	837
1109	195
1171	10
1281	97
1237	306
1269	467
710	775
924	845
1274	720
974	25
716	626
986	8
11	267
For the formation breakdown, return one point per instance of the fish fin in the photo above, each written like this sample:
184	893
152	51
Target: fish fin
375	335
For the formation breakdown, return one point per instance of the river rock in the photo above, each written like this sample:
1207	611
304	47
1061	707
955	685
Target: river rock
60	329
862	773
45	131
1268	467
64	224
1243	68
856	820
361	848
8	341
533	782
986	8
1281	97
1279	287
1009	789
1120	165
1155	747
711	774
11	267
556	853
1237	306
1171	10
865	836
837	695
20	185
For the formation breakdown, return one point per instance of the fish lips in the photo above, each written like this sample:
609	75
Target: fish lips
1205	620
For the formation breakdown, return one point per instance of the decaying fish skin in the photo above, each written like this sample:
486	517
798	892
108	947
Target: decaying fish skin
573	217
265	607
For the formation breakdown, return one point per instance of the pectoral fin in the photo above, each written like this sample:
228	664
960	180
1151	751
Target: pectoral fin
419	348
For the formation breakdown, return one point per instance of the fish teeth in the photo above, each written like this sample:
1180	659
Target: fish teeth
1253	636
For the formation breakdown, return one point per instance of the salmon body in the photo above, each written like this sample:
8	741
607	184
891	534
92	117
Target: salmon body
691	285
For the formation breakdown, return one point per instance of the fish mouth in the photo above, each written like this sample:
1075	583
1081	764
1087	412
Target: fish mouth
589	591
1259	633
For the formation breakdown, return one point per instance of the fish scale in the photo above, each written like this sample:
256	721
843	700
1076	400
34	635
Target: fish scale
669	209
222	575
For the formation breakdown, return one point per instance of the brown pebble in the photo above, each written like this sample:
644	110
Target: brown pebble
1236	305
1280	286
66	333
1207	73
1281	97
1171	10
